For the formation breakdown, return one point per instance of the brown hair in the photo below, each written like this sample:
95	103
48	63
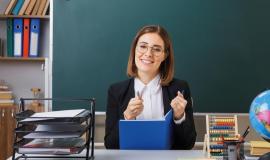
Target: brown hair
166	69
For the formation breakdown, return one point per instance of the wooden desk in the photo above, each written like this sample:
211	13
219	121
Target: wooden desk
103	154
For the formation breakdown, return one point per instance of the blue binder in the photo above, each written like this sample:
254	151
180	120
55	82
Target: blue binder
17	7
18	36
34	37
146	134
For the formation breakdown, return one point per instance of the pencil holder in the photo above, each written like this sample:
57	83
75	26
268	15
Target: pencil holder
233	150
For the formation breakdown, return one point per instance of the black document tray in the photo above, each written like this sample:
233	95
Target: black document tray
52	120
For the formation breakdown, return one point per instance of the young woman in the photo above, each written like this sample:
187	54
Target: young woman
151	91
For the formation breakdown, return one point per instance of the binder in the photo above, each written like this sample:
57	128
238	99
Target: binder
26	25
1	53
17	7
10	37
146	134
34	37
18	34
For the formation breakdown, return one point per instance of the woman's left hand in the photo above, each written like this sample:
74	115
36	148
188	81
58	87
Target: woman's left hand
178	105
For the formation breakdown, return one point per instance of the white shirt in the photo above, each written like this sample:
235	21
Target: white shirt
152	99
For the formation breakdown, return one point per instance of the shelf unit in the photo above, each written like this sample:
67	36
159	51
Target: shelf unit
24	16
22	74
38	59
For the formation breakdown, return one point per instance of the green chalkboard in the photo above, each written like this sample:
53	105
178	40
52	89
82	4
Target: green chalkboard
222	48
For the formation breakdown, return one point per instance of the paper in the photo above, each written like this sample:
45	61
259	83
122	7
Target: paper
56	131
54	114
53	146
63	113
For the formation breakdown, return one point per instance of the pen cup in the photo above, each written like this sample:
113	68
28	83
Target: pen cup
233	150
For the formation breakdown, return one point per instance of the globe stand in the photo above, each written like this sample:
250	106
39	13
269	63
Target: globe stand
266	156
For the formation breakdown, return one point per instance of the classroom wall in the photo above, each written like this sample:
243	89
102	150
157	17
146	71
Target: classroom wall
221	47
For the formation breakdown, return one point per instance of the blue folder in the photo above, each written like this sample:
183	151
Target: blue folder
18	37
146	134
34	37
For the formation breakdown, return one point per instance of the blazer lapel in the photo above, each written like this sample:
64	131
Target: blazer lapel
166	99
128	94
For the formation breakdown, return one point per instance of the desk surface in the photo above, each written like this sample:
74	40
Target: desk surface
102	154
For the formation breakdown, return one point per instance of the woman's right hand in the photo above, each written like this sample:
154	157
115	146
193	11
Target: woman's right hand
134	108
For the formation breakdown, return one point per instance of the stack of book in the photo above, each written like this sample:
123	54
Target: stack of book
258	148
27	7
5	95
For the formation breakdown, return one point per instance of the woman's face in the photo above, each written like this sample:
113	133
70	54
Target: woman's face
149	54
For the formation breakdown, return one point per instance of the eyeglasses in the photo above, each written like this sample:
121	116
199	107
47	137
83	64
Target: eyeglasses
143	48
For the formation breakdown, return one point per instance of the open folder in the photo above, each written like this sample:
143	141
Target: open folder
146	134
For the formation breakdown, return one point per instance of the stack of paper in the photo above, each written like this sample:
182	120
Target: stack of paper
53	146
56	131
54	114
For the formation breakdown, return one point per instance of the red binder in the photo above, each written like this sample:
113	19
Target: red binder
26	31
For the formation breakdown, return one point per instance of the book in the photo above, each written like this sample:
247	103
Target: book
24	6
53	146
46	8
17	7
10	7
6	102
259	147
146	134
35	9
41	7
30	7
5	94
3	6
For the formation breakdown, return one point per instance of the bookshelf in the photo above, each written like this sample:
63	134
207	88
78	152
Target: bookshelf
47	17
22	74
38	59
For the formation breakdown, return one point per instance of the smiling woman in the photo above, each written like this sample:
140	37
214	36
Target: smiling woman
151	68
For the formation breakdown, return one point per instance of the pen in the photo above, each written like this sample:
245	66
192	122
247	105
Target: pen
138	94
182	92
245	133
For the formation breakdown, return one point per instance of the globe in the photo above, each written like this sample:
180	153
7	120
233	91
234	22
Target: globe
259	114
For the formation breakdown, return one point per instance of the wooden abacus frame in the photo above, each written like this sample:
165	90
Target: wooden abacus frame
208	140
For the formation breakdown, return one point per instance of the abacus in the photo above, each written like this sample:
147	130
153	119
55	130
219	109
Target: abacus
219	128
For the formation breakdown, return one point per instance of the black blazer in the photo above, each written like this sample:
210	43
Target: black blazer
119	94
